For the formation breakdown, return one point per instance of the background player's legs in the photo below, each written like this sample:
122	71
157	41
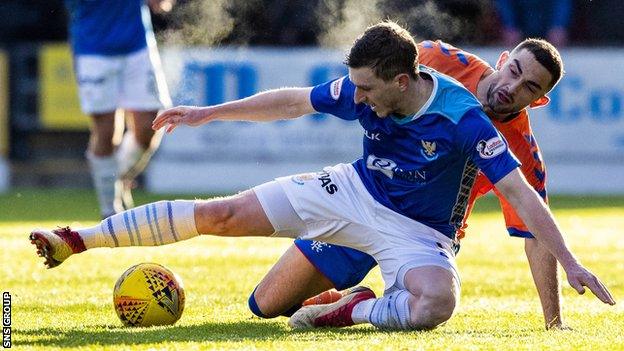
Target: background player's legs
102	132
102	162
134	152
139	143
289	282
140	122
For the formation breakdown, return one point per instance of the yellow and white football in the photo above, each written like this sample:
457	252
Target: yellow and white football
148	294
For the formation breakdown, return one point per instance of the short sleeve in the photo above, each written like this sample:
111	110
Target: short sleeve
335	97
485	146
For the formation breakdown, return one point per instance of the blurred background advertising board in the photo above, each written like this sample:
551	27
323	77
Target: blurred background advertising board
580	133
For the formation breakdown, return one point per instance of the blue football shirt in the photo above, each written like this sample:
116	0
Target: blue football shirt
107	27
423	166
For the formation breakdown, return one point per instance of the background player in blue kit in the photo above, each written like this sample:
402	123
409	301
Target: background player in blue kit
425	139
117	67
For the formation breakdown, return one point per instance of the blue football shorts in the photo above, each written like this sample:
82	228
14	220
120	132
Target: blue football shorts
343	266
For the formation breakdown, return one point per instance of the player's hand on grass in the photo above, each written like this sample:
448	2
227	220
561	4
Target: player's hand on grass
559	326
579	278
181	115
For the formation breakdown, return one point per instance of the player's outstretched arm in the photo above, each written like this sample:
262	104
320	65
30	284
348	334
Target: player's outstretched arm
545	276
266	106
540	221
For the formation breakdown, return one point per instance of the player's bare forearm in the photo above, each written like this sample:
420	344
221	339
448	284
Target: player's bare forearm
540	221
270	105
266	106
536	215
545	275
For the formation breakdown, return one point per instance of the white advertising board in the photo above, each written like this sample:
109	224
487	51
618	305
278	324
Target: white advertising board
581	132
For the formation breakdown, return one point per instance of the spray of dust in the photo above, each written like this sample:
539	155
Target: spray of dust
342	21
427	21
198	23
338	22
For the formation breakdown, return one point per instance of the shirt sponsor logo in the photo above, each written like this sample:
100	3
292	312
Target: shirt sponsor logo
335	87
389	168
429	150
491	148
383	165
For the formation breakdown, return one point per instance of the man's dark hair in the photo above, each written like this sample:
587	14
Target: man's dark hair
547	55
387	48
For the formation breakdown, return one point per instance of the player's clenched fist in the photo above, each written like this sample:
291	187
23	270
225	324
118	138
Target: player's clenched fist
185	115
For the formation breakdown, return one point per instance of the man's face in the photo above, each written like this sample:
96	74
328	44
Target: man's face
518	82
380	95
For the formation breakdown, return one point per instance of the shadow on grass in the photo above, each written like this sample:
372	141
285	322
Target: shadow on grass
208	332
243	331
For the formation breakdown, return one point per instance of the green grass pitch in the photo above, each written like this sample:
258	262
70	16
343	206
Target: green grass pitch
70	307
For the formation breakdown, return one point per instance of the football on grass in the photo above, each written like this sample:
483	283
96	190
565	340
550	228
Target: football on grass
148	294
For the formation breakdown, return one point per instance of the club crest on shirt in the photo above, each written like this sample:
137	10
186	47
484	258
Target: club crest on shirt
491	148
429	150
335	87
390	169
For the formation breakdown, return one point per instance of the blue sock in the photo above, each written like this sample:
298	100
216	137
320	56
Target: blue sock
253	306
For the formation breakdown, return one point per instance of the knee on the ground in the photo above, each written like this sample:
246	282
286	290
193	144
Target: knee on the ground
431	311
255	307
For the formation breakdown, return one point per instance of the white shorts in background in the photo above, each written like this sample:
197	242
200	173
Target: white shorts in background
134	82
335	207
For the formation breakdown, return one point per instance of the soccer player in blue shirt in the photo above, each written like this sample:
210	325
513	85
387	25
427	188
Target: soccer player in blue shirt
117	67
425	139
309	272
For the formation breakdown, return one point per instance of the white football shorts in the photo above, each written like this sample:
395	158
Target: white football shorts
134	82
333	206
